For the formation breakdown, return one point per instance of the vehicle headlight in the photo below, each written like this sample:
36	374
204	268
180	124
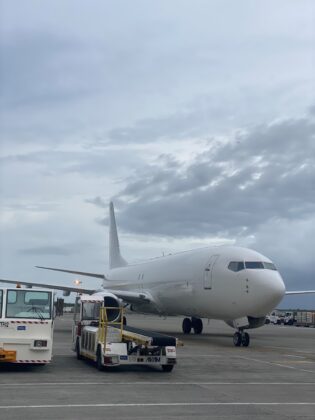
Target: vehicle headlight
40	343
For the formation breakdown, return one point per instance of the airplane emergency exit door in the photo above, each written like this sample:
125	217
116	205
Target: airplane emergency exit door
208	273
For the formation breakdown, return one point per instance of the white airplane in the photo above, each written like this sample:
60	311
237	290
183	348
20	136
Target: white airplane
233	284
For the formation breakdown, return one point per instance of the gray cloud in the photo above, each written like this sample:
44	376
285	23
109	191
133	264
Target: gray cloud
47	250
268	173
104	104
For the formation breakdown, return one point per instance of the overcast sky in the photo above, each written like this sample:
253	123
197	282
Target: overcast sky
197	118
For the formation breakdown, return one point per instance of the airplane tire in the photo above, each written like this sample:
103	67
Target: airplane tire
237	339
124	320
167	368
99	359
77	350
197	325
186	326
245	340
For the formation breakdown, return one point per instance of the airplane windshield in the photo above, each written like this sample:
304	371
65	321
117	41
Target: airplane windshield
236	266
251	265
254	265
259	265
269	266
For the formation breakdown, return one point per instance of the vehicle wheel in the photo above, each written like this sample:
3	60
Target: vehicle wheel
245	340
99	364
77	350
124	320
197	325
186	326
167	368
237	339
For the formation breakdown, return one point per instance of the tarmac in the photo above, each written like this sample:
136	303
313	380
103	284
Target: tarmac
274	378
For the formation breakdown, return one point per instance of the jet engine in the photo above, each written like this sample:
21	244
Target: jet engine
113	304
253	322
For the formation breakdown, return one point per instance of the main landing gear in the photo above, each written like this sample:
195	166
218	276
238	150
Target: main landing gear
195	323
241	338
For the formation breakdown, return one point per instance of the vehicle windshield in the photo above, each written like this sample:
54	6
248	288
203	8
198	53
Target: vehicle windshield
91	310
1	292
28	304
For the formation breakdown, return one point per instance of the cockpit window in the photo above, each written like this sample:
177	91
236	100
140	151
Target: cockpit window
270	266
260	265
254	265
251	265
236	266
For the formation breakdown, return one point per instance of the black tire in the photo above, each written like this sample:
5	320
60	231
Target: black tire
237	339
245	340
124	320
77	350
186	326
197	325
99	364
167	368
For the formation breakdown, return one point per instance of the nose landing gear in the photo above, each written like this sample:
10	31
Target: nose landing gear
241	338
195	323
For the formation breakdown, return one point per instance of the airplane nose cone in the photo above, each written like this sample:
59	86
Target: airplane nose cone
267	290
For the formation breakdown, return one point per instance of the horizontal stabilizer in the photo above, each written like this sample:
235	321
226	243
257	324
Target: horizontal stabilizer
81	273
300	292
49	286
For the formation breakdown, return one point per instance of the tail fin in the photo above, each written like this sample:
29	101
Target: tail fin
115	259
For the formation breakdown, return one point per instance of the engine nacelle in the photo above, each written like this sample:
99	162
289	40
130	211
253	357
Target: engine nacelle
252	322
113	303
66	293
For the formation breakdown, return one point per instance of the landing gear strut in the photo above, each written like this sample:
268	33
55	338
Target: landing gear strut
241	338
195	323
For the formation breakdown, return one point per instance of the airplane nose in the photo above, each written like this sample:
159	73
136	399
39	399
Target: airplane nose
267	290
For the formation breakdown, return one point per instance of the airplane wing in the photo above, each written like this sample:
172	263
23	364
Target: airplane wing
81	273
50	286
299	292
126	296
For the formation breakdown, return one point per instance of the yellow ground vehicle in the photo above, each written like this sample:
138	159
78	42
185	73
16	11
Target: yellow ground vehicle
99	335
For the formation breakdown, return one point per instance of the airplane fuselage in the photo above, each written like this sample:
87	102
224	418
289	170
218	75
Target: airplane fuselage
201	283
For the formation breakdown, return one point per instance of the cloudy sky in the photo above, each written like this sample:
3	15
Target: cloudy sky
197	118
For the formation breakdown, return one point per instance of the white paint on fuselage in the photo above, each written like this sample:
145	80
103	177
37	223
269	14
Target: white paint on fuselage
176	284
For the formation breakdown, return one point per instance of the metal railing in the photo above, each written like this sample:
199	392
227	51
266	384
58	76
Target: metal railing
104	323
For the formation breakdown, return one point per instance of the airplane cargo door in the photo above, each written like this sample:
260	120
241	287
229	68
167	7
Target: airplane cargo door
209	272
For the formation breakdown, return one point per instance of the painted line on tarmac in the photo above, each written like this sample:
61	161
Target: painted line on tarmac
179	404
41	384
290	348
275	364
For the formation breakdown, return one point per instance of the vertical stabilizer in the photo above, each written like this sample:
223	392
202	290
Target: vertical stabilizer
115	259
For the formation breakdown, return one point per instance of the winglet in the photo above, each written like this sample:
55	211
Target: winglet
115	258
